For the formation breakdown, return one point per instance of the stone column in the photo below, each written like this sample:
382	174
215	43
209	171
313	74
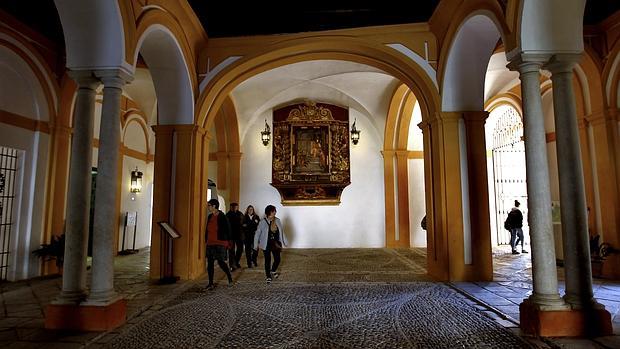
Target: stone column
78	200
105	221
575	241
545	294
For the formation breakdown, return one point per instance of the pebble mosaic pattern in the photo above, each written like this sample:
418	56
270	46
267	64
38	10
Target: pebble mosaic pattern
329	315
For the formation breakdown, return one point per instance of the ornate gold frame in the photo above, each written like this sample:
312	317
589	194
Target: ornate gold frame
311	161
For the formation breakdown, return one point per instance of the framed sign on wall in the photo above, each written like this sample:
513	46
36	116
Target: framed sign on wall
311	162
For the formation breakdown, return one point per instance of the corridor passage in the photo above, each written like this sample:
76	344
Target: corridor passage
324	298
327	298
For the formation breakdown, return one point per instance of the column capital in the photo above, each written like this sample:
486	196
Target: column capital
236	155
598	118
449	116
476	116
186	129
115	78
528	62
162	129
221	155
402	153
562	63
424	125
84	78
388	152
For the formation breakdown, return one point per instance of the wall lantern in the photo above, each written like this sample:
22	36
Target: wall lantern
265	135
136	181
355	134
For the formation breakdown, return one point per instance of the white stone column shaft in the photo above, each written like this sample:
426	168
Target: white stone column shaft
78	198
105	221
545	283
575	241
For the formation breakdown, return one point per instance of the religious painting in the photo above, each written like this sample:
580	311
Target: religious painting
310	149
310	153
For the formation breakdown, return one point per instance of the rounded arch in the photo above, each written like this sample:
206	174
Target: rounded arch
504	99
35	63
153	16
465	56
94	33
133	116
394	111
174	83
315	48
611	77
592	85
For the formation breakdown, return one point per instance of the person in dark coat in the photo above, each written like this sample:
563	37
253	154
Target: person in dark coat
235	218
515	221
217	235
248	229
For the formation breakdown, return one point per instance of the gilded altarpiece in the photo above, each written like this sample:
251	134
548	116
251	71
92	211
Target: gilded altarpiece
311	162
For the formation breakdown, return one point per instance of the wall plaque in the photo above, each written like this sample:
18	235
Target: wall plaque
311	163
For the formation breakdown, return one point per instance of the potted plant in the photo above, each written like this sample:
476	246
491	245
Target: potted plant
55	250
598	253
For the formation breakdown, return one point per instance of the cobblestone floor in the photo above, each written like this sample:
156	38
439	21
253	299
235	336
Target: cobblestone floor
397	275
327	315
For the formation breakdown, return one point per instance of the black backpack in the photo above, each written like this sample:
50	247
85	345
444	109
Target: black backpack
507	223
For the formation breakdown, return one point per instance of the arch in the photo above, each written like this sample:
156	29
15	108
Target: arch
396	167
36	64
133	116
611	77
94	34
508	98
314	48
172	79
462	69
153	16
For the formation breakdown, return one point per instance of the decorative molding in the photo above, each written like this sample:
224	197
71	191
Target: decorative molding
24	122
416	154
310	160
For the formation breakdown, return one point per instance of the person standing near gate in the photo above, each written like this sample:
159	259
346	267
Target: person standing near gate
216	236
515	222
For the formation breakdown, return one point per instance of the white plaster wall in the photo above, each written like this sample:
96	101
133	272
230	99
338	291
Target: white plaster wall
29	205
141	204
417	201
21	92
357	222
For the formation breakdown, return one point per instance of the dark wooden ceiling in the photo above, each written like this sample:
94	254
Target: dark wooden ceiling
232	18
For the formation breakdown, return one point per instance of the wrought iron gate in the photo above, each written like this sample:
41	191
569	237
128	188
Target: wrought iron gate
8	169
508	170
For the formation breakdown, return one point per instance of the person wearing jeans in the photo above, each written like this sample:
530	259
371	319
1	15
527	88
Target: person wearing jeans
216	237
515	219
270	238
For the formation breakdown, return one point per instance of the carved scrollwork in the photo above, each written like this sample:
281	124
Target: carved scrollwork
310	112
311	162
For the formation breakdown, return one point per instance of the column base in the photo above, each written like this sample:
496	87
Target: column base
86	317
564	323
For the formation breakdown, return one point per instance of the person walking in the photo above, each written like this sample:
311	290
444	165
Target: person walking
515	221
270	238
217	235
235	217
248	230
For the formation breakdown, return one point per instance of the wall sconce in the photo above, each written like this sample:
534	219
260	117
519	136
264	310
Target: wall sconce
136	181
265	135
355	133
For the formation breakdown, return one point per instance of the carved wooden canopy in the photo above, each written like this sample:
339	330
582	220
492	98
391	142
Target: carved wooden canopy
311	163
